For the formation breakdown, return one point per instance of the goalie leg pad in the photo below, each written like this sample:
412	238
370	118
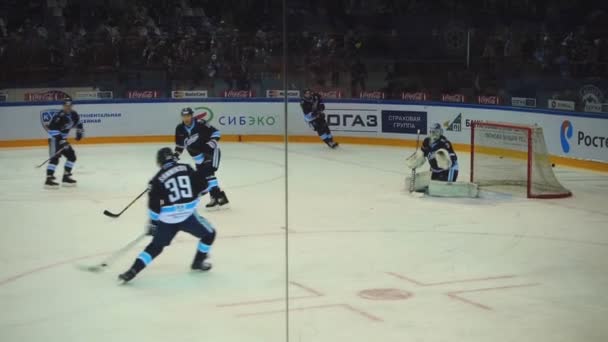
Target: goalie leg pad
421	182
453	189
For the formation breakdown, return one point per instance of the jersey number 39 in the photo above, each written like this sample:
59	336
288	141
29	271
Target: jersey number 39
179	188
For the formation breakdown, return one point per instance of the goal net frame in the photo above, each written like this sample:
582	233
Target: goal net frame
528	155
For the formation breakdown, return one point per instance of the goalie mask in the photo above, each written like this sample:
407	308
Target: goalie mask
435	132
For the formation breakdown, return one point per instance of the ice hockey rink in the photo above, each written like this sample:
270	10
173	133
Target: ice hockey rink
367	262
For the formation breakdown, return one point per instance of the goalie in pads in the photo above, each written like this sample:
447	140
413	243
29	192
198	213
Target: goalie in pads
439	181
438	150
440	154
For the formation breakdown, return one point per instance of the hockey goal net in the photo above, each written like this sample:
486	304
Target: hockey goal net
514	156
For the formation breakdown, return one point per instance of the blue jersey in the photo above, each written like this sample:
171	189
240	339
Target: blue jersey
199	139
62	122
173	193
312	107
430	148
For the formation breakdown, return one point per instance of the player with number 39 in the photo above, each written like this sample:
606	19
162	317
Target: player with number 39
173	197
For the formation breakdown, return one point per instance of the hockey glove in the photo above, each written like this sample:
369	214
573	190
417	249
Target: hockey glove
151	227
79	134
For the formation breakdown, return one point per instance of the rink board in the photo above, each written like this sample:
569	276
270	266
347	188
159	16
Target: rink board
573	139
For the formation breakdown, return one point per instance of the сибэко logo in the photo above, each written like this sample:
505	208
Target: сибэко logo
566	132
203	113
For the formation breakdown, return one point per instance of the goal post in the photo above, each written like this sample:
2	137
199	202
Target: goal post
515	156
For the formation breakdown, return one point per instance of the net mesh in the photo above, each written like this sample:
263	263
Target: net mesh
503	155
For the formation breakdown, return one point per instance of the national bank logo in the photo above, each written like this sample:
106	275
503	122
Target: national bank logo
566	132
203	113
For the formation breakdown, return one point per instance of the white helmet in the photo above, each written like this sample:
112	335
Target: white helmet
435	132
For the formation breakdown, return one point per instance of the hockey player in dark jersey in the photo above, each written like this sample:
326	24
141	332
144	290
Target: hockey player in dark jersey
437	143
201	141
173	195
313	107
59	128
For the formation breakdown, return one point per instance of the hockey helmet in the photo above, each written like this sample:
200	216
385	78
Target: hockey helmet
307	94
67	101
164	155
435	131
187	111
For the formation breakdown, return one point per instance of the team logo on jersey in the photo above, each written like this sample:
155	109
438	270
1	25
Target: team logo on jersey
565	134
46	115
455	125
203	113
191	140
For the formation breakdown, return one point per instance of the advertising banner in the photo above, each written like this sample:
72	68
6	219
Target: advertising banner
143	94
523	102
242	117
453	98
584	140
568	135
371	95
488	100
352	118
417	96
330	93
596	107
560	104
189	94
48	95
238	93
402	121
41	94
93	95
580	136
275	93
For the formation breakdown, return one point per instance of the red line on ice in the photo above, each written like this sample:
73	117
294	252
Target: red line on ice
419	283
327	306
312	294
455	294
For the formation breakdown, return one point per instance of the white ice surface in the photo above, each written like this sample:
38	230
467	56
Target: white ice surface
501	268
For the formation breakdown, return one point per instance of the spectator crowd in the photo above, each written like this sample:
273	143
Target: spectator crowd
354	44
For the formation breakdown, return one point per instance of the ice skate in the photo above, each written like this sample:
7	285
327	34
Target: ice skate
68	180
50	184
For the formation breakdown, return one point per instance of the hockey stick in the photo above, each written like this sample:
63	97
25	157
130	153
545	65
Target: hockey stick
110	259
109	214
413	177
53	156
